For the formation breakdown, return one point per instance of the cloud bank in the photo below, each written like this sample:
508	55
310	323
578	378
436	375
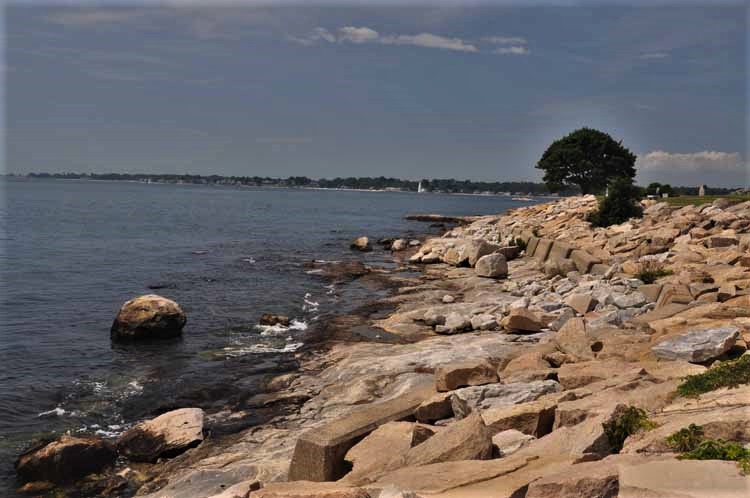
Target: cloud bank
364	34
704	167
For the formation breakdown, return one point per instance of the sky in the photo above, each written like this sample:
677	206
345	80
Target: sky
474	91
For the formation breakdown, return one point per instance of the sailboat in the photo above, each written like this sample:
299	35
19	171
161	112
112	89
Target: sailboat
420	188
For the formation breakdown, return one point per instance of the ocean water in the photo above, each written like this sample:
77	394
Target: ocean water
74	251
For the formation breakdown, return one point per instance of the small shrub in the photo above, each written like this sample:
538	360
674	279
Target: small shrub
651	270
720	450
521	244
632	420
621	204
730	373
687	439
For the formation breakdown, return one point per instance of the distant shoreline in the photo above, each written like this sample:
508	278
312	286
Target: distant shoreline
450	186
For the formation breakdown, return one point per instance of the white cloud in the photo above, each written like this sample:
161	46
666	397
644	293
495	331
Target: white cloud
505	40
708	166
514	50
707	160
358	35
430	41
94	17
316	35
363	34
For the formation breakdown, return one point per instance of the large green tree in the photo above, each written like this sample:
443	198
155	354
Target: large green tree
588	158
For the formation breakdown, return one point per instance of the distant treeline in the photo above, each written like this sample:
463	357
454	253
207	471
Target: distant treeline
362	183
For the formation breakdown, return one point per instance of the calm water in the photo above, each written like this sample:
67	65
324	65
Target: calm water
74	251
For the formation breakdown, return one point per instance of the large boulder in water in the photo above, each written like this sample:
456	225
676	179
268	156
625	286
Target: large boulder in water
65	460
166	436
148	317
361	244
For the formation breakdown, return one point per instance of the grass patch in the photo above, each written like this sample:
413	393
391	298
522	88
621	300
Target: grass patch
686	200
652	270
687	439
632	420
730	373
720	450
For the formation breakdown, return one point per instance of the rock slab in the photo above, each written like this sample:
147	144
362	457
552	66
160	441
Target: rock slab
698	346
64	460
166	436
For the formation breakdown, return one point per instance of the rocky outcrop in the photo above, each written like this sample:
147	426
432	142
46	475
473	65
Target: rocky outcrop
166	436
467	439
148	317
65	460
271	320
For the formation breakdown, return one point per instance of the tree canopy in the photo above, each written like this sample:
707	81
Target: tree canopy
587	158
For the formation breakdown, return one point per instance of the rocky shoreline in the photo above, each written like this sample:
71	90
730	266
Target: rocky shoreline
534	356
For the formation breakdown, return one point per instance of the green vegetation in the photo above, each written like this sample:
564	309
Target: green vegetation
361	183
619	206
720	450
521	244
657	188
686	439
632	420
731	373
708	199
651	270
587	158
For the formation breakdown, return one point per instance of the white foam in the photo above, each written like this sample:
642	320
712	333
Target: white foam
57	412
248	260
278	329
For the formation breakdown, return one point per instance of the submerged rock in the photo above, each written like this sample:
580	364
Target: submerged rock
65	460
271	319
361	244
148	317
165	436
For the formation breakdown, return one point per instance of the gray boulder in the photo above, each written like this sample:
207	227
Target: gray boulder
492	266
697	346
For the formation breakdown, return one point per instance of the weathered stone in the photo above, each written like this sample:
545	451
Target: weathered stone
148	317
588	479
543	248
361	244
651	291
164	436
467	439
722	241
483	322
319	453
560	250
698	346
583	260
509	252
531	245
379	452
466	373
600	269
727	291
522	320
399	245
674	294
65	460
475	249
495	395
454	323
534	418
573	340
575	375
436	408
582	303
632	300
306	489
508	442
492	266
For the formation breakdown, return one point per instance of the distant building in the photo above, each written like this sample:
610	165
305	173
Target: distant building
701	190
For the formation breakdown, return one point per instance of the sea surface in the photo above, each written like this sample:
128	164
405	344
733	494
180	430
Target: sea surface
74	250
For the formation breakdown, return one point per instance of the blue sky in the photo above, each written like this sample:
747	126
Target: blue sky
353	90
